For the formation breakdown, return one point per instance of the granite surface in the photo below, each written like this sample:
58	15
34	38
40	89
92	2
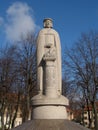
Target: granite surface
53	124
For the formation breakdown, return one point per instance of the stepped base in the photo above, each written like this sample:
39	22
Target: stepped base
44	100
49	112
49	108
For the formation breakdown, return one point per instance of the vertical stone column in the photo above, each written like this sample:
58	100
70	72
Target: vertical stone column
50	81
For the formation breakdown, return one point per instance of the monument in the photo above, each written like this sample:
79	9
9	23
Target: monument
49	106
49	103
48	43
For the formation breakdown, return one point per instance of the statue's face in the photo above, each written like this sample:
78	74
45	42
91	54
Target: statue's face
48	24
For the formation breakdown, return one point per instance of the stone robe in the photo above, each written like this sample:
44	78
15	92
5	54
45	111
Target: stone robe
45	37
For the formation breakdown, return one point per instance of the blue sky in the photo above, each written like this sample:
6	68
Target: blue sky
71	18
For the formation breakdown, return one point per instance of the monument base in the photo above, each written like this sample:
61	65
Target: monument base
49	108
50	124
49	112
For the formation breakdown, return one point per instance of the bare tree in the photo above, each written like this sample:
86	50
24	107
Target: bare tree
8	74
82	61
28	72
17	79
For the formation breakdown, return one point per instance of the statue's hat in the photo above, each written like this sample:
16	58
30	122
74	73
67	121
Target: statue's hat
47	19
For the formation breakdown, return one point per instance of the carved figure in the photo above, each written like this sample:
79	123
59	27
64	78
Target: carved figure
48	43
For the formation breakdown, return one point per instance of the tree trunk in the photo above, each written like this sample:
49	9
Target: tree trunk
16	110
95	115
2	122
89	117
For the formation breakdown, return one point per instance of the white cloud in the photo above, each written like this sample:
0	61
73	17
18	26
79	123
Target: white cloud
1	21
20	21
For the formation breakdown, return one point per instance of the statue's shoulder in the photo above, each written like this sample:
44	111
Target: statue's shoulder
45	30
41	32
54	31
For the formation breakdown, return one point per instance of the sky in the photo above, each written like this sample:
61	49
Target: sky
70	18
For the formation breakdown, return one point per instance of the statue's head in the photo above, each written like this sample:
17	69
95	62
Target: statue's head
48	23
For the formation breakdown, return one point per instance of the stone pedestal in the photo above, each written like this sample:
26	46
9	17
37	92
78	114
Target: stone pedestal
50	89
50	105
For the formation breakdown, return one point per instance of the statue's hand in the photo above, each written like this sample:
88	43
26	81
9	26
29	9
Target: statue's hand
50	54
48	45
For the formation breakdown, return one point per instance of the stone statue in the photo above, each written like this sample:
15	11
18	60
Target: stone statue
49	103
48	44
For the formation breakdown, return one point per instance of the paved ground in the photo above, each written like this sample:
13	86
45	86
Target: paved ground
59	124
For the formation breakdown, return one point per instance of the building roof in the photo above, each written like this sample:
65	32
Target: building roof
90	107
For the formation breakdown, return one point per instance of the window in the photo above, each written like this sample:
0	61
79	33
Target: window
85	112
85	117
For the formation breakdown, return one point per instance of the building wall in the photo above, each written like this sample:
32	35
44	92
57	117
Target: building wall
86	119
